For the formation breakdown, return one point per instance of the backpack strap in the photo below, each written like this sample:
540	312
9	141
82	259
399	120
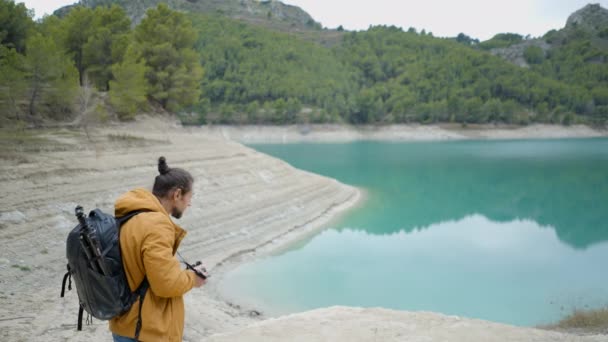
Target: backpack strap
121	220
67	276
80	312
142	290
143	287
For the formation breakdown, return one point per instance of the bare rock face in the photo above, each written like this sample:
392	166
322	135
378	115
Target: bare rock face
279	10
515	53
592	18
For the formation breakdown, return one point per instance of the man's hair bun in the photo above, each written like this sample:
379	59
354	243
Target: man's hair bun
163	168
171	179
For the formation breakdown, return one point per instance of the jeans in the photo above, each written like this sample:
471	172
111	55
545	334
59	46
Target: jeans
118	338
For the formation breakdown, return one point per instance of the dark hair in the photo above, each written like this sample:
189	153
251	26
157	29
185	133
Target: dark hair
171	179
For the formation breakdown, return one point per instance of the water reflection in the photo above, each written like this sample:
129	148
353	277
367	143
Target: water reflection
516	272
562	184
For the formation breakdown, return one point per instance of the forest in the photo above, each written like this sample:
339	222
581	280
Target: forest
212	69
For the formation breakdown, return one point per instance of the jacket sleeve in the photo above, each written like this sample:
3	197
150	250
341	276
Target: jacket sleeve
166	277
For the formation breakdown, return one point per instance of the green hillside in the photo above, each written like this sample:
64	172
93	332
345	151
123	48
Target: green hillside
405	77
576	54
258	75
264	62
580	56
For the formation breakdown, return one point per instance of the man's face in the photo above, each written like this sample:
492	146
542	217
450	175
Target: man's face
181	203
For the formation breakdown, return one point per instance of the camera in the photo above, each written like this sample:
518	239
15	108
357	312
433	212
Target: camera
202	272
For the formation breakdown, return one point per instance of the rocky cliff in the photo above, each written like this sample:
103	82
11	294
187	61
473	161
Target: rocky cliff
592	18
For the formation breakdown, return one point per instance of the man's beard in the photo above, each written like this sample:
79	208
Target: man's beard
177	213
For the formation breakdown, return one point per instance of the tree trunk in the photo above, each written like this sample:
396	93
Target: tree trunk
80	67
32	102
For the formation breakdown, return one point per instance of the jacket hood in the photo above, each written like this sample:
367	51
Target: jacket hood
137	199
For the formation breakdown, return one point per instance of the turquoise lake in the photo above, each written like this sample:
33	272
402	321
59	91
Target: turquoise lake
506	231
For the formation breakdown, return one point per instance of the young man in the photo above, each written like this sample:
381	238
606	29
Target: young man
148	243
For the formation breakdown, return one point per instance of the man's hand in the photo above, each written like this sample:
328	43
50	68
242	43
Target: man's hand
198	280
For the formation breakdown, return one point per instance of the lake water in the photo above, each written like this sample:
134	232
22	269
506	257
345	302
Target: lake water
507	231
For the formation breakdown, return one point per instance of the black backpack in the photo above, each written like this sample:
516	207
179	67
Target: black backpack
95	264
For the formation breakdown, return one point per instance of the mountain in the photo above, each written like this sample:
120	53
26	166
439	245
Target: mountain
590	23
270	13
591	18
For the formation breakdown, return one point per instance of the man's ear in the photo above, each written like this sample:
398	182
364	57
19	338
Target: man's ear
177	194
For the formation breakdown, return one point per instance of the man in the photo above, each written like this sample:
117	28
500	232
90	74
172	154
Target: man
148	243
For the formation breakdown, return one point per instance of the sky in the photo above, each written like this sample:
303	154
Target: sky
480	19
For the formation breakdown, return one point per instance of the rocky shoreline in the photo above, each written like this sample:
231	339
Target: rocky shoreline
414	132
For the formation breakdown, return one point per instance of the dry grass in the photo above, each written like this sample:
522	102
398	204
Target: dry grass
586	319
16	144
125	138
592	321
129	140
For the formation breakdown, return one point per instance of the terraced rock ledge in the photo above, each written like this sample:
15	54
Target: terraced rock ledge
244	200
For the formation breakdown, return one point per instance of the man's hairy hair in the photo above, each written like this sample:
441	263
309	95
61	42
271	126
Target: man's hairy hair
171	179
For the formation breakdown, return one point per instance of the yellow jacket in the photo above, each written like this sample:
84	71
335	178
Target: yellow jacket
148	243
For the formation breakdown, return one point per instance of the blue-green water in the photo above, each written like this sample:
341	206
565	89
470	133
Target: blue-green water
508	231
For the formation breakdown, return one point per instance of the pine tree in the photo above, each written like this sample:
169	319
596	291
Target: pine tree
165	40
52	78
15	24
77	28
12	83
128	89
107	44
